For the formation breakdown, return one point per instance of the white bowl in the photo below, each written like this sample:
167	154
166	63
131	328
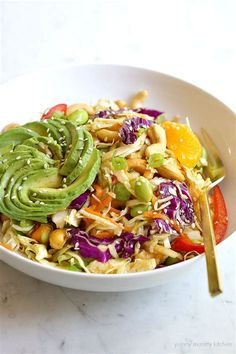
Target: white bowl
25	97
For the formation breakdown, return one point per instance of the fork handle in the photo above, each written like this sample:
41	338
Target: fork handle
214	283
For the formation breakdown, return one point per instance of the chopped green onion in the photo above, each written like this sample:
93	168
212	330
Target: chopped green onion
156	160
141	131
121	192
119	163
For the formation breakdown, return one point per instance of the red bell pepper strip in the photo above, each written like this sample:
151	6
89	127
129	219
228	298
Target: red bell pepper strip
220	218
59	107
184	244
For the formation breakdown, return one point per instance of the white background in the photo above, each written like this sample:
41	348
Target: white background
190	39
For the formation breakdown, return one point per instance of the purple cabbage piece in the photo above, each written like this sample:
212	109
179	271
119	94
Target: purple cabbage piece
88	245
130	127
78	202
109	112
125	244
163	227
150	112
180	207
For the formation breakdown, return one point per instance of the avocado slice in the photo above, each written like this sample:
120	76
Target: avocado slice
74	151
16	136
33	162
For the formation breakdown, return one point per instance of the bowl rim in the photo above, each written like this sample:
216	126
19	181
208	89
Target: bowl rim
62	67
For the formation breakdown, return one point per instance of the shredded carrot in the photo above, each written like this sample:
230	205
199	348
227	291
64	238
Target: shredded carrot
154	215
42	230
98	191
114	210
104	234
176	226
104	203
8	247
91	211
127	228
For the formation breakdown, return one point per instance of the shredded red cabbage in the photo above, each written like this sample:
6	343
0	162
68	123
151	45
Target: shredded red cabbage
78	202
88	246
130	127
150	112
180	207
163	227
110	112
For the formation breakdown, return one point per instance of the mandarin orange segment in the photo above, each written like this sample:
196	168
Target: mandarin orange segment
183	142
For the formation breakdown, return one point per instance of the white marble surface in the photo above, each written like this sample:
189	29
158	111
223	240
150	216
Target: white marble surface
193	40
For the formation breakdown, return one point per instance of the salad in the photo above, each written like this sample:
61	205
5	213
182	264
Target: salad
111	188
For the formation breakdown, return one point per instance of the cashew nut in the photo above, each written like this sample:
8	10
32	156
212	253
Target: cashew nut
139	99
121	103
138	165
76	106
171	170
107	136
157	136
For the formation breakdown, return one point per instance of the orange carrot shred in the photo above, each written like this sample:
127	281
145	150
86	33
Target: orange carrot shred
8	247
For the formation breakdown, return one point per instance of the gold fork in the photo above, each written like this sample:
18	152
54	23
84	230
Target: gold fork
215	170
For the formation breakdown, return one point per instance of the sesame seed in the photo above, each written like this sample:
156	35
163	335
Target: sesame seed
42	203
139	212
70	146
11	151
18	157
64	185
138	183
61	130
12	180
34	194
13	197
29	130
28	162
37	202
25	178
64	179
48	130
6	195
49	135
20	188
45	165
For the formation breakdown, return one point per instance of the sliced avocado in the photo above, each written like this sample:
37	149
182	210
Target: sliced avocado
46	145
32	185
84	157
16	136
60	125
74	152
